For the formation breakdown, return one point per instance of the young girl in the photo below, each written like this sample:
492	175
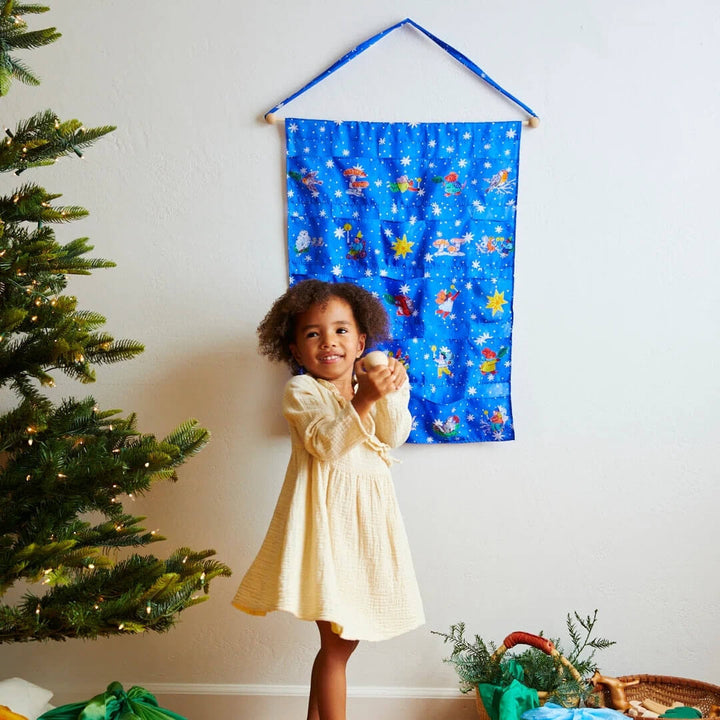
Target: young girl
336	550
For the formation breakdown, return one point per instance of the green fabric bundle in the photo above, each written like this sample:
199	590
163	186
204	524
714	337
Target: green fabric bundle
114	704
508	701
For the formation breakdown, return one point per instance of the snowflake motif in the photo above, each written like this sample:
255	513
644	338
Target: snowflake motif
381	141
432	143
436	210
482	339
510	133
462	163
338	193
491	377
378	183
498	435
468	286
450	149
291	194
471	390
452	316
487	146
428	258
478	206
413	219
339	233
473	316
506	153
296	214
507	363
293	127
413	124
329	164
315	193
356	215
458	223
383	273
431	165
291	280
498	229
473	181
339	122
303	170
487	165
426	356
468	237
346	153
426	275
323	213
470	363
322	129
368	273
388	232
470	418
405	161
429	440
467	136
394	209
433	389
413	424
405	289
337	271
306	149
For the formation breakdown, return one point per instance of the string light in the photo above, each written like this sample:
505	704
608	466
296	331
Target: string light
148	609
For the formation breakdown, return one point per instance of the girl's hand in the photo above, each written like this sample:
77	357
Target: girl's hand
376	382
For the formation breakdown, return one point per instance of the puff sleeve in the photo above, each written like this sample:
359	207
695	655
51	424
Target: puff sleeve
392	417
327	425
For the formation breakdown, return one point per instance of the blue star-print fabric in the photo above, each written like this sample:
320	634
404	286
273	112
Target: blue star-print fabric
423	216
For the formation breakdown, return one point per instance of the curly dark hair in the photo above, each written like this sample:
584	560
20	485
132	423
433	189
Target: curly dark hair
277	330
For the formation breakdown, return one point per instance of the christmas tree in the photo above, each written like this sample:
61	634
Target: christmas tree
65	467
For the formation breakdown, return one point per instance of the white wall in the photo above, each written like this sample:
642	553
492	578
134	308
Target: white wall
608	497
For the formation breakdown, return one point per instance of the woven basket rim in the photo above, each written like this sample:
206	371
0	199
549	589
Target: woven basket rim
671	680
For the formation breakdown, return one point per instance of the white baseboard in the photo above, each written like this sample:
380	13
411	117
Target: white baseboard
297	690
213	701
270	702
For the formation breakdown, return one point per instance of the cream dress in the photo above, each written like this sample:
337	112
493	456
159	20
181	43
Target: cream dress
336	548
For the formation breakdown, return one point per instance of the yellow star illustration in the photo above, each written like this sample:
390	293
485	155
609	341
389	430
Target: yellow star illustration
402	247
496	302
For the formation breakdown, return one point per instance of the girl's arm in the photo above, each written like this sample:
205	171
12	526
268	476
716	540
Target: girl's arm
390	392
328	431
392	417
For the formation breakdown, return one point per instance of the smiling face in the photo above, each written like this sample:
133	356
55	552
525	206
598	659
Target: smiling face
327	343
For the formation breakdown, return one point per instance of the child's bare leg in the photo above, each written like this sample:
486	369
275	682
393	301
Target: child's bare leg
328	686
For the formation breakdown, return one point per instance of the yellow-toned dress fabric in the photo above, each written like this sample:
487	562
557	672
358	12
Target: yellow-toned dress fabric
336	548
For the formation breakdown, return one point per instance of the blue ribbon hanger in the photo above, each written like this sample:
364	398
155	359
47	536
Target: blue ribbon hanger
533	122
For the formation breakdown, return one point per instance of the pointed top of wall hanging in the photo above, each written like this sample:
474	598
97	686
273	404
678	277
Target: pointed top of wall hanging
533	121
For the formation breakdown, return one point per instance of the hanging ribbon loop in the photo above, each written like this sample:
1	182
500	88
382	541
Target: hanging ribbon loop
463	59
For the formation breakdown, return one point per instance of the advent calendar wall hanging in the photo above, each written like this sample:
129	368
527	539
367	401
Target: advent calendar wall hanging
422	215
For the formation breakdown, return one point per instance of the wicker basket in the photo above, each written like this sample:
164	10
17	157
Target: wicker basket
523	638
666	690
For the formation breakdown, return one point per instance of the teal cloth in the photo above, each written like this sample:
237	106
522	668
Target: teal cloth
683	711
508	702
114	704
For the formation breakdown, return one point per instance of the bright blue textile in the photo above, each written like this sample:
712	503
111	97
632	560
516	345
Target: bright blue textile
422	215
